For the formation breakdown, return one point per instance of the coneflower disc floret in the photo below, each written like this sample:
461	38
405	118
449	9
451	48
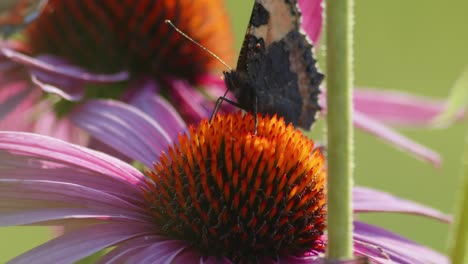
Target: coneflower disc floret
240	195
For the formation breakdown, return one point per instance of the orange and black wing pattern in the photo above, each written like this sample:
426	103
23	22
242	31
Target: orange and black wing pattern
276	72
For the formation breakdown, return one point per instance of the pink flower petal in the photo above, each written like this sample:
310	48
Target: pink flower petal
17	106
312	11
138	86
191	104
55	65
374	127
158	109
215	81
396	139
56	76
40	117
134	133
124	250
47	123
53	151
399	108
132	251
81	243
36	201
23	167
383	246
216	89
66	88
11	95
370	200
193	256
164	251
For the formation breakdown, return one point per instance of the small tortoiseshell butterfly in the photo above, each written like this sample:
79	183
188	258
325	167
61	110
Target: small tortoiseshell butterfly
276	71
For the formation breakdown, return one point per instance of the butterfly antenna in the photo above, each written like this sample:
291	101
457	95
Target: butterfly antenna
198	44
222	98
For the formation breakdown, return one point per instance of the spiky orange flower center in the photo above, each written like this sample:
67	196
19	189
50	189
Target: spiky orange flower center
110	36
240	195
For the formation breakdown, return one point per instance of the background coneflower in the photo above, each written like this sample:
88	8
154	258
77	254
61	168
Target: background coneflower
109	36
103	49
115	50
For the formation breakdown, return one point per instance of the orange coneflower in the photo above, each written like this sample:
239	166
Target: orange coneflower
219	195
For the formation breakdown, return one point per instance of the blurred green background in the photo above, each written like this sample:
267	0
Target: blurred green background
417	46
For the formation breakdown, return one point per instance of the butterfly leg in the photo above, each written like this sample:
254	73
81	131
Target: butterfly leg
218	105
223	98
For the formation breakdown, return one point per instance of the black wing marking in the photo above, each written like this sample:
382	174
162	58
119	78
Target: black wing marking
276	68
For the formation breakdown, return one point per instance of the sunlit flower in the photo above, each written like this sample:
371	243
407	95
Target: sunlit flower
220	195
105	49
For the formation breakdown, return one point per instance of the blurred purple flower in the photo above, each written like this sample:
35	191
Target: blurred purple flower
46	181
374	110
64	55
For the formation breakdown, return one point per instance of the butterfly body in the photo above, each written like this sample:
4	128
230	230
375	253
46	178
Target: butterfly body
276	72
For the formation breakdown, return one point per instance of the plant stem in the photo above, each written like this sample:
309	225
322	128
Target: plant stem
339	42
458	243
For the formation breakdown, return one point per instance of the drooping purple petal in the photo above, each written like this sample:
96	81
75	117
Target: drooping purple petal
370	200
80	243
396	139
68	89
190	103
158	109
54	75
383	246
33	202
134	133
312	17
54	65
374	127
399	108
56	153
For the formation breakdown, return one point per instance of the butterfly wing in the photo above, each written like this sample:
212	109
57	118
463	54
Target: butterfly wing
276	71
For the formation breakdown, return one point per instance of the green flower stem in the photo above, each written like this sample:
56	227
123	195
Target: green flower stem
459	238
339	22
